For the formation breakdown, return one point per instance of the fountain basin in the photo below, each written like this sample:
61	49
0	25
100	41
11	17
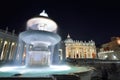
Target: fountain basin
42	72
42	36
42	23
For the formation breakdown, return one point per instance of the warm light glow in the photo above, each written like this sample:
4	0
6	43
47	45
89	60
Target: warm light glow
106	56
24	55
13	43
118	41
114	57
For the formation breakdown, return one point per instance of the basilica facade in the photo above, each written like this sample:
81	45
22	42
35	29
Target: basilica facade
79	49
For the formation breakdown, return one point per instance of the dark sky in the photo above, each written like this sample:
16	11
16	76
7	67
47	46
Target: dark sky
98	21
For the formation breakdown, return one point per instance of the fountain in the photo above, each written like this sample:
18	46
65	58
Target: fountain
37	42
35	50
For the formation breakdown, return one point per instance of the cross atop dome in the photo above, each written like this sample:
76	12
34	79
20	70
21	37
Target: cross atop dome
68	36
43	13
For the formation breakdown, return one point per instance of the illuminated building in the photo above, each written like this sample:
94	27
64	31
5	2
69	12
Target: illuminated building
79	49
8	44
109	55
114	44
110	50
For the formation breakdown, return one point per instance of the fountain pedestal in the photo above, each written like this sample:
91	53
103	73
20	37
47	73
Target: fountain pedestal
39	58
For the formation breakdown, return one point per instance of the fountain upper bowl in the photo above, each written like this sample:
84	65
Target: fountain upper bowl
38	35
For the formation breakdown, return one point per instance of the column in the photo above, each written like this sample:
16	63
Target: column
2	48
8	52
14	52
66	51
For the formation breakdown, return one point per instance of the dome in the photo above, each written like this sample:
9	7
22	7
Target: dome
68	40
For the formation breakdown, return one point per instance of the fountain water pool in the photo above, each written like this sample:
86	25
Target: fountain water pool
8	71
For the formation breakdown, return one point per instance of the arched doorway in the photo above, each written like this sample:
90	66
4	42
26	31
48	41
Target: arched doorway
77	55
93	55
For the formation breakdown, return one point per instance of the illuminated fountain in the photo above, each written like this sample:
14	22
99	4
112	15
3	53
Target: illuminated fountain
37	43
35	51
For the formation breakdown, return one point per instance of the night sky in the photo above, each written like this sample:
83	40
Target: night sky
96	21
